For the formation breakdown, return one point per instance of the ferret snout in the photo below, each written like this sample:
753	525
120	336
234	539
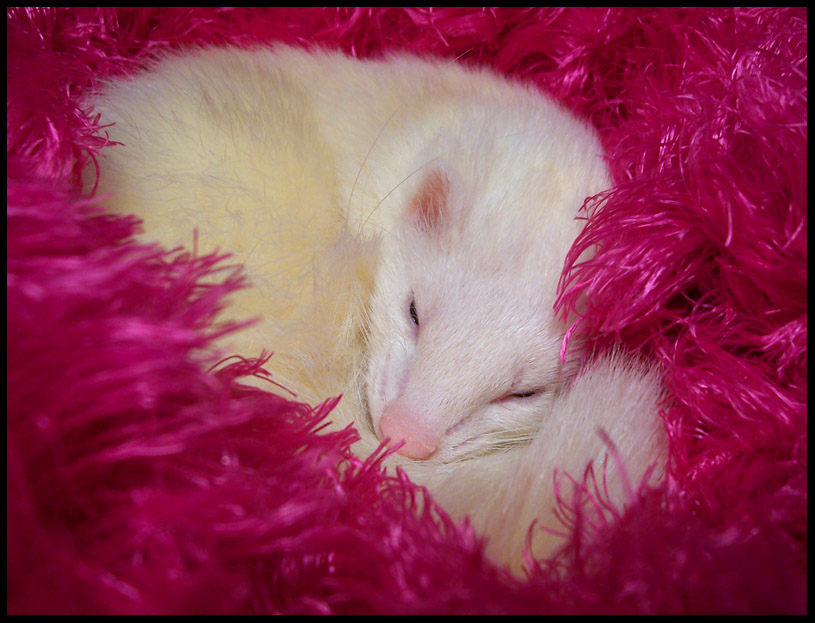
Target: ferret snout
399	423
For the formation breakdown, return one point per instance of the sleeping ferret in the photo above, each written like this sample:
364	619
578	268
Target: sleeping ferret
404	223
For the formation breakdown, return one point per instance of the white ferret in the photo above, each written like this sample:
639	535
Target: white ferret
404	223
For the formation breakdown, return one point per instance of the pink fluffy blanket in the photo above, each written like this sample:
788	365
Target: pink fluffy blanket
142	479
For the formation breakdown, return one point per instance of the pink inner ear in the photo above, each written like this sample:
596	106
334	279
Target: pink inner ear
428	206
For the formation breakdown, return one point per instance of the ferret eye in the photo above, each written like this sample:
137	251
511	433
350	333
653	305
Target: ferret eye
413	315
524	394
508	399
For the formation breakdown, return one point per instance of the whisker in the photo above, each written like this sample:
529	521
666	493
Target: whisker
365	160
395	188
456	59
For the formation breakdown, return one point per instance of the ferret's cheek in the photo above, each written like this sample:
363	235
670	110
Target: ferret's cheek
397	370
388	372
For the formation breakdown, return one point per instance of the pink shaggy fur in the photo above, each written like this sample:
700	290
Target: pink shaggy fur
143	479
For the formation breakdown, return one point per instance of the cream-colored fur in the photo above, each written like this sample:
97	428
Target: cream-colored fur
304	167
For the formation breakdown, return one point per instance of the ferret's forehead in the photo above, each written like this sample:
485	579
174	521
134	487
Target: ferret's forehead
508	260
496	294
522	332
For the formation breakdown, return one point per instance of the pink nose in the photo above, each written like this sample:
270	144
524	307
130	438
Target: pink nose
394	425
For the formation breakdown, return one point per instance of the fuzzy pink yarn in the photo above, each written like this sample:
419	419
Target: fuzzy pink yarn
141	481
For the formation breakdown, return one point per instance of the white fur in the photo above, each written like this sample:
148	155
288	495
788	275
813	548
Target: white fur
305	167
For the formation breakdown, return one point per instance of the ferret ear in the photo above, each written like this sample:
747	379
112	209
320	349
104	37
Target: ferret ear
430	208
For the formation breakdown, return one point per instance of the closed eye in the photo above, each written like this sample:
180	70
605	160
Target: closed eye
523	394
518	396
414	316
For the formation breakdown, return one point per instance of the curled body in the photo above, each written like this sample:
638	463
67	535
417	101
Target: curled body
404	223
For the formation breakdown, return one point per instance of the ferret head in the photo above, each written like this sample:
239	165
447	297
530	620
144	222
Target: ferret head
464	347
